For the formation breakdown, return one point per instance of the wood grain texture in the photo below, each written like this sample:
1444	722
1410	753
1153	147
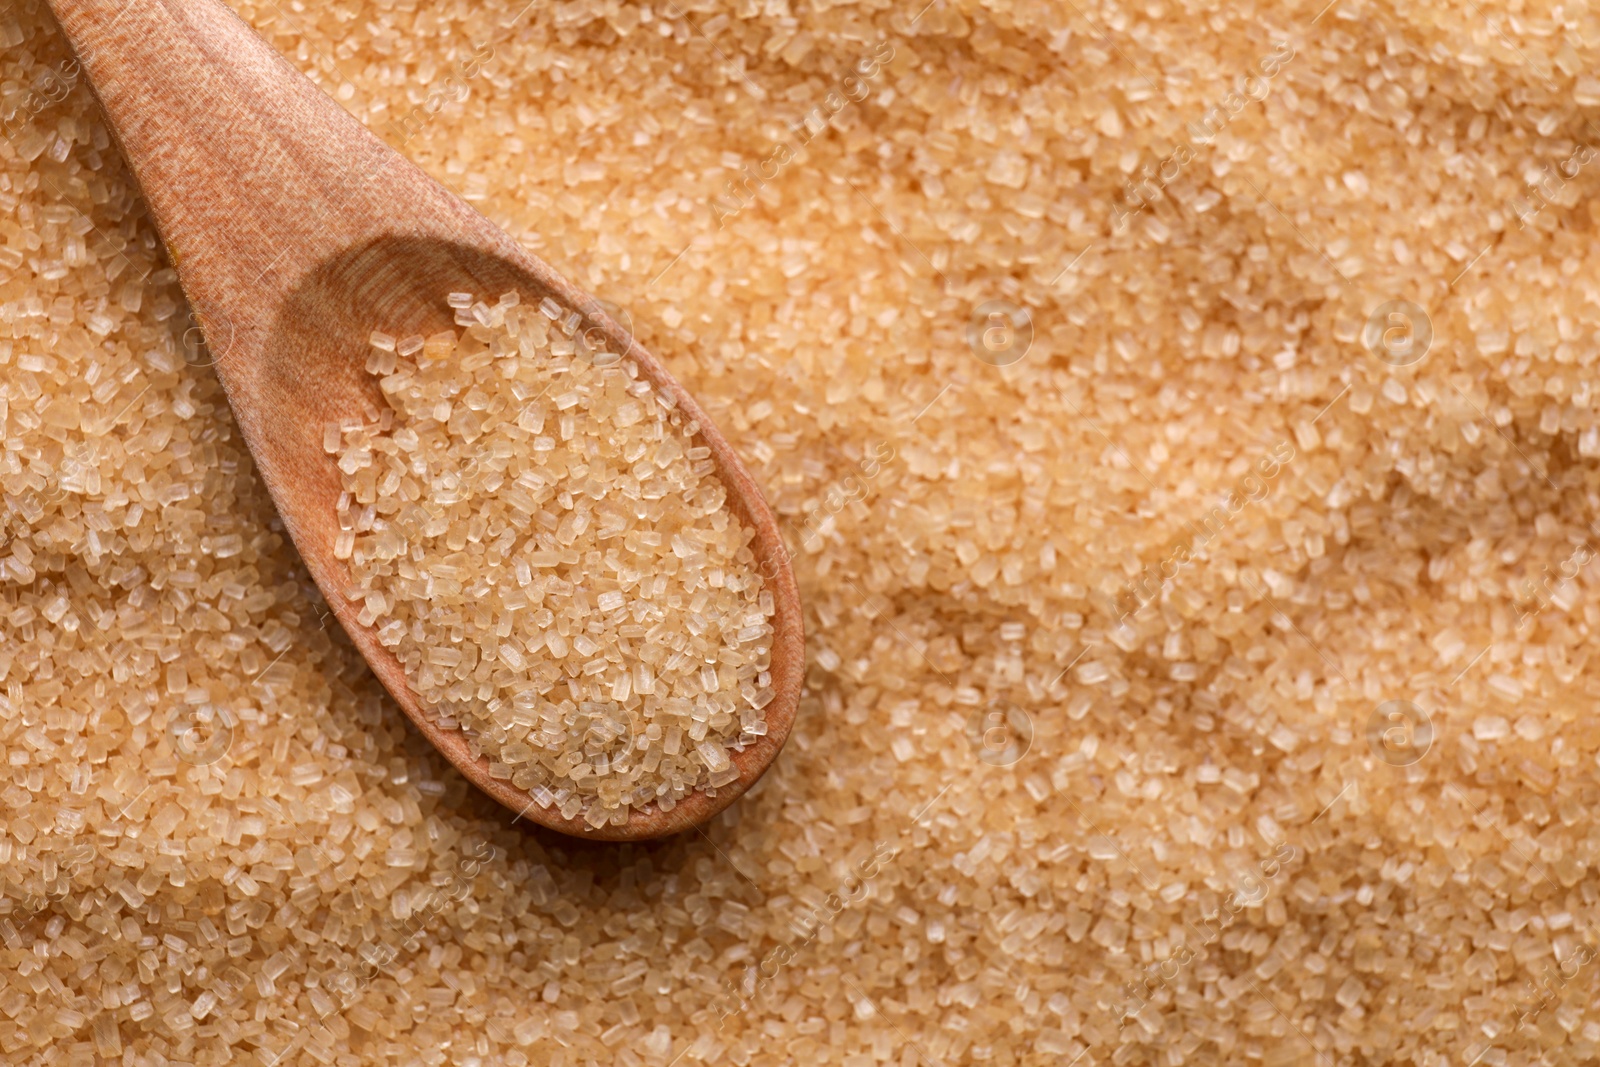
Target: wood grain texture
295	232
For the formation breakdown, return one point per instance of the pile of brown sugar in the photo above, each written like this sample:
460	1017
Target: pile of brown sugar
1018	300
536	536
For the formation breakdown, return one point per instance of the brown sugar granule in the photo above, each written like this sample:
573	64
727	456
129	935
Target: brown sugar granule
536	537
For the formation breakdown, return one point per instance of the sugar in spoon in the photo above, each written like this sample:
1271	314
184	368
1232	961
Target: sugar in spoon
294	231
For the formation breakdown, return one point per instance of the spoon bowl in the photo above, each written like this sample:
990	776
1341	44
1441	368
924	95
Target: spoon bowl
295	232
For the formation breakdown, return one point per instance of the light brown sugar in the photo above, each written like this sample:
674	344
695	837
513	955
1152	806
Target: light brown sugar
535	535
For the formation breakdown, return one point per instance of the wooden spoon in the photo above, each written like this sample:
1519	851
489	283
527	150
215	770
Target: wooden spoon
295	232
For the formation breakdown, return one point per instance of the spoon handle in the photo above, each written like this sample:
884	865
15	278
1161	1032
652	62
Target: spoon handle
252	175
208	116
